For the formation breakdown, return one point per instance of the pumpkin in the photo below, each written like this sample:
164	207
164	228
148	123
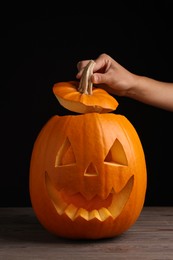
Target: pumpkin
87	175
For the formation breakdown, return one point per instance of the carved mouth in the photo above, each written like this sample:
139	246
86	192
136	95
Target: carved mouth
76	205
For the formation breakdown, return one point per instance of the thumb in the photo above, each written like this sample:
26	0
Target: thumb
98	78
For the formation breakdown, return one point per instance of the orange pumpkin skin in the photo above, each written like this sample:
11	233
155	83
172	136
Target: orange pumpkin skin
88	176
69	97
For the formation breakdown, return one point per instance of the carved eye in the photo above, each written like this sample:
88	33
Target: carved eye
65	155
116	154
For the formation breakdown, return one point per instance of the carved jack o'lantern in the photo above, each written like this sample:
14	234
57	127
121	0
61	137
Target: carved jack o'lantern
87	173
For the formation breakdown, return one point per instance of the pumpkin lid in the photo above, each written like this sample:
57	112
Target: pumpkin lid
82	97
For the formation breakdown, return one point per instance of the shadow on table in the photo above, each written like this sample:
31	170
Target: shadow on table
26	228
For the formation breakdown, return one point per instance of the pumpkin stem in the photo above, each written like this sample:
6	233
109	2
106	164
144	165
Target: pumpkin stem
85	84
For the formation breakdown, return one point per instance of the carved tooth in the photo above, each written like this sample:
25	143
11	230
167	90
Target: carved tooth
70	211
94	214
82	213
60	207
104	213
112	191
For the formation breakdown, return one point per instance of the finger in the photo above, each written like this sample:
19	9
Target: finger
79	74
82	64
102	64
97	78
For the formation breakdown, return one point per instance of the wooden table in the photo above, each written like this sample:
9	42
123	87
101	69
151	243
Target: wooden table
22	237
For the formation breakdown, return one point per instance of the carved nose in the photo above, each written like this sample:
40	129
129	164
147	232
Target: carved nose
91	170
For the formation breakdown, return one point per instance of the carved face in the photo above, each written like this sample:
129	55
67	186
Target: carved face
88	175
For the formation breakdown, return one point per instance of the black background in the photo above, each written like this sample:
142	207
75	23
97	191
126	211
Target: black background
40	48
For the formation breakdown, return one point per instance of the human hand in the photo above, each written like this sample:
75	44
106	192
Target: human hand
109	74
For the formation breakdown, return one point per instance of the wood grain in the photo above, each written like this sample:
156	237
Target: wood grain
23	237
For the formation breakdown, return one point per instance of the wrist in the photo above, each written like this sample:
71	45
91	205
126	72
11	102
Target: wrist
135	86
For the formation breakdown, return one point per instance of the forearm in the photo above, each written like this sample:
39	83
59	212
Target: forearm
152	92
